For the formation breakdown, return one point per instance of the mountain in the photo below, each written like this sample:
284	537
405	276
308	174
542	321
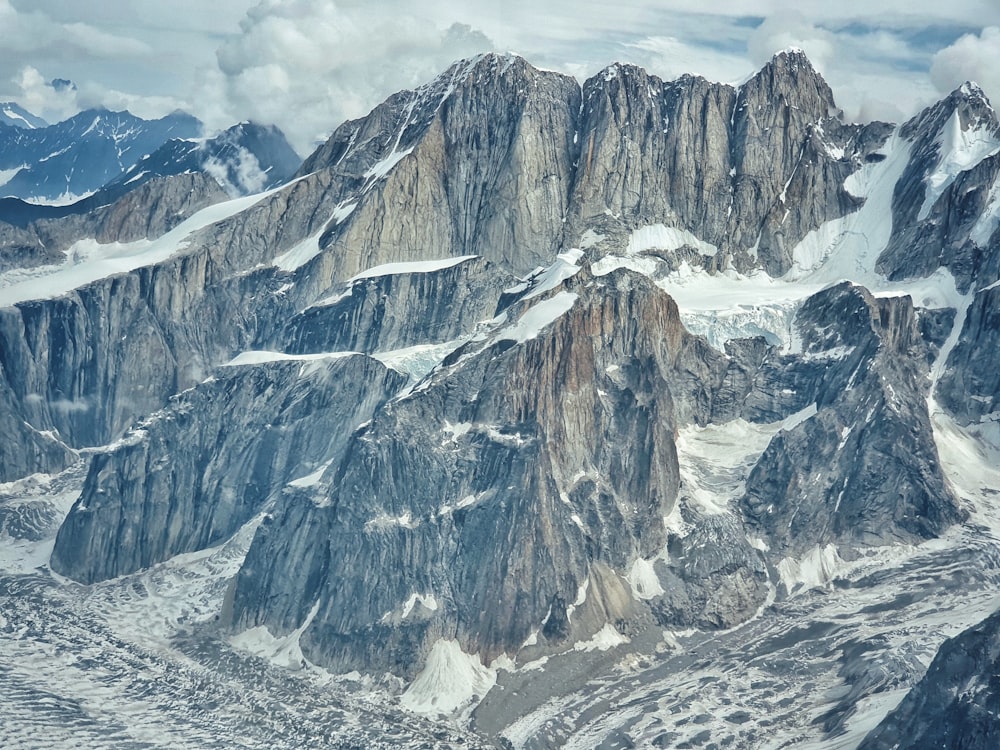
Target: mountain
637	413
247	158
150	198
77	156
16	116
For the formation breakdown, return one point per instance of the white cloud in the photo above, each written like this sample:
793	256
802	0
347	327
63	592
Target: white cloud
972	57
307	65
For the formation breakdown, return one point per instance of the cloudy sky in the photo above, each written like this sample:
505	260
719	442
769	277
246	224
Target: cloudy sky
307	65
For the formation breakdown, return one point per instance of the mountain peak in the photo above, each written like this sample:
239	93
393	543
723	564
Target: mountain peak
790	76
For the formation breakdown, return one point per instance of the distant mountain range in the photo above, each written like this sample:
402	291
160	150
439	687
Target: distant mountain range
116	152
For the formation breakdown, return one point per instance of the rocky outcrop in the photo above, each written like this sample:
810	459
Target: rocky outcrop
189	476
862	469
957	702
522	477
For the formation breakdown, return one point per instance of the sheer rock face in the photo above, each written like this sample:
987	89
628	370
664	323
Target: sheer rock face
956	703
489	157
970	386
393	311
478	506
864	470
749	170
189	476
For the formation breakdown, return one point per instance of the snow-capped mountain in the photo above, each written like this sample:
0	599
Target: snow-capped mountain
247	158
637	413
152	197
73	158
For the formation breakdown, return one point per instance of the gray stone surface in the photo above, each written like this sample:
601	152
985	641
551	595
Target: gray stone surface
190	475
956	704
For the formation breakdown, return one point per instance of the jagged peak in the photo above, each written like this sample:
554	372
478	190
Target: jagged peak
790	75
968	102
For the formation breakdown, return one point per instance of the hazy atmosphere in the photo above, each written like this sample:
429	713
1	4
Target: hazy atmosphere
307	65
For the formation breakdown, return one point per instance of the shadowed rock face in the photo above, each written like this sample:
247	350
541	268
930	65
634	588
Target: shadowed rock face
956	703
864	469
189	476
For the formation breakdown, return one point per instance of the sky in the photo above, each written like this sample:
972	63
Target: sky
307	65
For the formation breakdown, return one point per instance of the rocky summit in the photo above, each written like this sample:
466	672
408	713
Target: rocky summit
523	413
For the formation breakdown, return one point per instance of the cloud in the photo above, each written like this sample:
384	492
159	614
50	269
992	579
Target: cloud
33	31
974	57
307	65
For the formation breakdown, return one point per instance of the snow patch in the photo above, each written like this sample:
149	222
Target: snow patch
794	420
311	480
450	680
418	360
299	254
259	357
643	580
382	168
989	220
567	265
817	568
283	651
604	639
669	239
89	261
385	521
420	266
537	318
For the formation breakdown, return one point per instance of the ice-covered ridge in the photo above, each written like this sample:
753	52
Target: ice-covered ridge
959	151
417	266
89	261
